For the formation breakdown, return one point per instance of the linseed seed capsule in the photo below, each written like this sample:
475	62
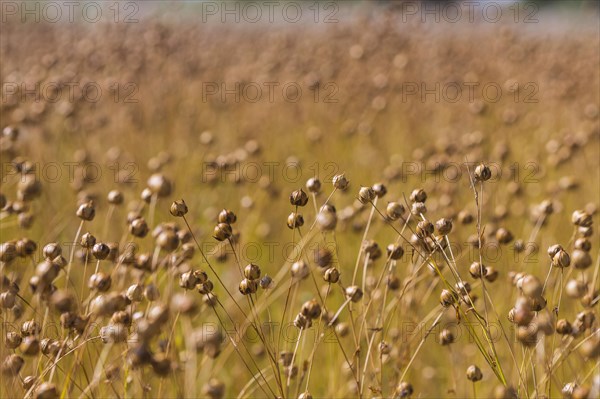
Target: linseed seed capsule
178	208
8	251
482	173
575	288
443	226
227	216
583	244
252	271
12	365
248	286
379	189
12	340
266	282
502	392
394	210
302	322
300	270
115	197
385	348
52	250
30	346
28	382
167	240
135	293
585	231
395	251
418	195
214	389
25	247
327	221
491	275
546	207
477	270
87	240
100	282
474	373
561	259
146	195
424	229
298	198
313	185
504	236
465	217
366	195
206	287
354	293
581	259
100	251
530	286
331	275
86	211
340	182
151	292
447	298
554	249
581	218
404	389
563	327
159	185
323	257
311	309
295	220
222	231
446	337
418	208
138	227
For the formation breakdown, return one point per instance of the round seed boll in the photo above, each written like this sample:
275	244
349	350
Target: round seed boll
447	298
227	216
465	217
302	322
583	244
295	220
492	274
138	227
313	185
222	232
379	189
575	288
323	257
581	259
151	292
424	229
300	270
12	365
100	282
418	208
561	259
354	293
418	195
340	182
477	270
327	221
531	286
206	287
266	282
443	226
394	210
482	173
87	240
115	197
504	236
395	251
100	251
446	337
331	275
311	309
86	211
474	373
248	287
252	271
167	240
25	247
298	198
52	250
581	218
178	208
159	185
563	327
12	340
366	195
404	389
30	346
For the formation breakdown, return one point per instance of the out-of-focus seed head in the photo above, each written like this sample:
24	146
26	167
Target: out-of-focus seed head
138	227
581	218
178	208
160	185
323	257
52	250
393	282
575	288
379	189
477	270
295	220
86	211
298	198
447	298
300	270
100	281
583	244
313	185
266	282
340	182
354	293
302	322
12	340
482	173
25	247
465	217
395	251
222	232
563	327
331	275
311	309
581	259
394	210
206	287
418	195
443	226
492	274
474	373
504	236
327	221
446	337
30	346
404	389
151	292
424	229
366	195
115	197
167	240
418	208
530	285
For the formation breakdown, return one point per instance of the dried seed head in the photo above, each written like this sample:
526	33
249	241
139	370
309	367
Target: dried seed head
418	208
465	217
394	210
463	287
266	282
447	298
159	185
178	208
138	227
52	250
482	173
298	198
424	229
561	259
115	197
354	293
443	226
563	327
100	281
25	247
252	271
311	309
100	251
214	389
295	220
151	292
446	337
327	221
7	299
300	270
227	216
530	285
313	185
581	259
575	288
366	195
63	301
340	182
474	373
331	275
379	189
342	329
503	236
372	249
167	240
248	287
86	211
404	389
584	244
13	339
29	188
222	232
30	346
418	195
554	249
585	231
581	218
491	275
302	322
12	365
87	240
395	251
206	287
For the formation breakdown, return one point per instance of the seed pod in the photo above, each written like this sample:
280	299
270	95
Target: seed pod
159	185
313	185
502	392
477	270
266	282
222	232
167	240
424	228
138	227
585	231
418	195
86	211
583	244
302	322
372	249
395	251
25	247
447	298
300	270
443	226
491	275
13	339
581	218
248	287
135	293
100	282
538	303
8	251
12	365
418	208
575	288
323	257
252	271
87	240
286	358
342	329
446	337
100	251
327	221
295	220
404	389
7	299
394	210
366	195
298	198
474	373
354	293
62	301
379	189
311	309
563	327
30	346
561	259
178	208
463	287
331	275
52	250
115	197
340	182
213	389
530	285
47	272
503	236
49	346
151	292
581	259
482	173
393	282
29	188
121	317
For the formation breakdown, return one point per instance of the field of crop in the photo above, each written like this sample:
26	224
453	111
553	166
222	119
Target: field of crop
299	200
